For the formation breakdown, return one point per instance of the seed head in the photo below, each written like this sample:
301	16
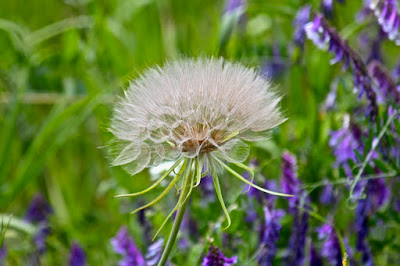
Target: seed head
192	108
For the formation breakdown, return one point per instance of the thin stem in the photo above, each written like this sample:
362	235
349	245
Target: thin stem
186	190
369	156
155	184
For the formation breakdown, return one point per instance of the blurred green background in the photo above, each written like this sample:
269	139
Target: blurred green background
62	64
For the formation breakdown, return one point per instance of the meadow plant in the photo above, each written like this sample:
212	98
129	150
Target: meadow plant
197	112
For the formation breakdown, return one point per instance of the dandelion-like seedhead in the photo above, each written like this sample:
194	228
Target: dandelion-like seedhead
191	108
196	112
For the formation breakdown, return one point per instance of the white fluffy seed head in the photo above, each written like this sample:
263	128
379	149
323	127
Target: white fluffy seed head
192	108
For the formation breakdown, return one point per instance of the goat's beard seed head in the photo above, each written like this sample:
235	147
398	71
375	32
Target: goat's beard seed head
192	108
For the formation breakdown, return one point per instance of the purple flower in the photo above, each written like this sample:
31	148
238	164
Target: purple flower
327	196
37	213
331	247
330	100
290	182
216	258
77	256
41	235
154	252
3	254
301	19
271	236
297	240
388	17
124	245
38	210
234	5
315	259
344	142
384	81
378	194
361	227
275	66
396	74
319	31
327	8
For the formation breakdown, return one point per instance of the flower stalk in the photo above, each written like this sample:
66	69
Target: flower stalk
186	190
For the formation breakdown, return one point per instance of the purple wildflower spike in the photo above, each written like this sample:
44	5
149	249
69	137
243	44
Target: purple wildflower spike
388	16
38	210
323	35
216	258
384	81
290	181
77	256
301	19
331	247
361	227
124	245
271	236
297	240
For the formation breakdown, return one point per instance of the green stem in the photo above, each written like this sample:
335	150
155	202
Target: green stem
181	211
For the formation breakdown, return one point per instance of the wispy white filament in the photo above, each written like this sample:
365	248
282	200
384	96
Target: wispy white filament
192	108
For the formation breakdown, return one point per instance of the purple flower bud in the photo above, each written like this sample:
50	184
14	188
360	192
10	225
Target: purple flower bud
301	19
77	256
124	245
331	247
388	17
216	258
327	8
38	210
271	236
384	81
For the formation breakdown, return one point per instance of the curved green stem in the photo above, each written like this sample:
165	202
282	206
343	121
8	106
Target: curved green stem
186	190
163	193
221	200
233	172
155	184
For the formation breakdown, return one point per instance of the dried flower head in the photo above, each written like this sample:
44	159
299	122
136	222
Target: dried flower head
191	108
196	112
